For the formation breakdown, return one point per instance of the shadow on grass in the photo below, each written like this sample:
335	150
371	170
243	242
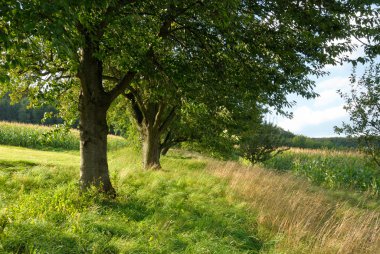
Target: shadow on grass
180	224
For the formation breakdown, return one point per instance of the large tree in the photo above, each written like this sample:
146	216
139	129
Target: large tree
363	100
61	51
162	54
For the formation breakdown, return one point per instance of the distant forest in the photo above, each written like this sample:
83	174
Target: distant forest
19	112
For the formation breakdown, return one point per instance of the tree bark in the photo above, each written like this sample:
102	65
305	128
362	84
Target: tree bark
151	147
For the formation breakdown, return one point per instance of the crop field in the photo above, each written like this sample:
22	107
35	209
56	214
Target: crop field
331	169
46	138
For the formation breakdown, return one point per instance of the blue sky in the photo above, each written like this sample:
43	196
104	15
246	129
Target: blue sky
317	117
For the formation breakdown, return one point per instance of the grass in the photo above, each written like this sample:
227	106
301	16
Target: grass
331	169
193	205
46	138
181	209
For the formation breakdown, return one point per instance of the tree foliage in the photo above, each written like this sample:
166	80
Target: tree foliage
262	142
363	106
163	55
363	101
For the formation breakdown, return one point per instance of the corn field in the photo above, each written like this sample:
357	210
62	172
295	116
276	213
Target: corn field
331	169
43	137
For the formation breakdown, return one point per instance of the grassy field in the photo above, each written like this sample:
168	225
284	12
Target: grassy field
181	209
194	205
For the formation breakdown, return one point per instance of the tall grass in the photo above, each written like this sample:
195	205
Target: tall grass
43	137
301	218
332	169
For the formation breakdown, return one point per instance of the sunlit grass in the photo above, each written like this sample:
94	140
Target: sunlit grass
298	217
181	209
193	205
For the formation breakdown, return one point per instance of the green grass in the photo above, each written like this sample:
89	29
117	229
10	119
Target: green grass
46	138
335	170
181	209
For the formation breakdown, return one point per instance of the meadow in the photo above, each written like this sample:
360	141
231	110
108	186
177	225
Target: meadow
194	204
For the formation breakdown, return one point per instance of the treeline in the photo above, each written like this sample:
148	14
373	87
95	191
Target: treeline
19	112
301	141
289	139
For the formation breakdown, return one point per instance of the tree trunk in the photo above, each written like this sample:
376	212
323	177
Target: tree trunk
151	147
93	147
93	105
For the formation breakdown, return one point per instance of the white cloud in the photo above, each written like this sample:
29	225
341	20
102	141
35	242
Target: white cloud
318	117
327	98
334	83
305	116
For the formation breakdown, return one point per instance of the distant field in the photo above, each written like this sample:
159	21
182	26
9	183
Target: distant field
331	169
43	137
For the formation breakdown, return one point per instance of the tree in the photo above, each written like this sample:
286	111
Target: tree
363	101
160	54
63	49
227	53
363	106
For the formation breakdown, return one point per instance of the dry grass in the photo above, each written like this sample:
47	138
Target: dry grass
301	217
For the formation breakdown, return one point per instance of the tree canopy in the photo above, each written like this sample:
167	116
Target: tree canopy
162	55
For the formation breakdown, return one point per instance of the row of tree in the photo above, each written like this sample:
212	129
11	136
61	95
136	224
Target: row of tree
176	66
189	129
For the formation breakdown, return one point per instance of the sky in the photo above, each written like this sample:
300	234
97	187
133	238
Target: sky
317	117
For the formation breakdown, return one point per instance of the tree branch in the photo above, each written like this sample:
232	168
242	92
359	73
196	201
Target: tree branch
123	84
160	111
137	112
168	120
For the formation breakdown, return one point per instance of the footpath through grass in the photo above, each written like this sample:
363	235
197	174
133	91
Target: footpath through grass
181	209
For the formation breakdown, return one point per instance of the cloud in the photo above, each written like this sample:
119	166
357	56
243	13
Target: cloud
327	98
316	118
305	117
334	83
